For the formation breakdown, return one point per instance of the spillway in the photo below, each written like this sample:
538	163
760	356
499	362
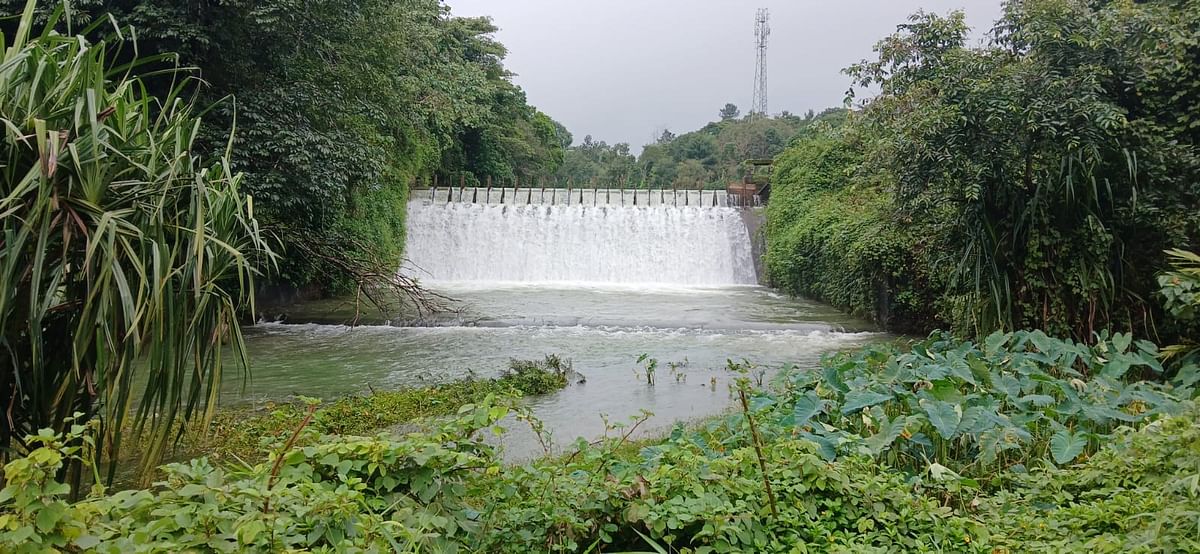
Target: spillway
543	243
598	277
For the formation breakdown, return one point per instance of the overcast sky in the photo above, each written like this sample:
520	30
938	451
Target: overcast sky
620	70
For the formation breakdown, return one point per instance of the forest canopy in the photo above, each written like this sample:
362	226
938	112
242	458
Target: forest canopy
335	109
1033	182
709	157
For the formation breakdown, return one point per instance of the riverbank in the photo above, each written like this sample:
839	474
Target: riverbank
1019	443
250	434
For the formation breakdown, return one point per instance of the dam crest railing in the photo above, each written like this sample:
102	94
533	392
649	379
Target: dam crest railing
514	196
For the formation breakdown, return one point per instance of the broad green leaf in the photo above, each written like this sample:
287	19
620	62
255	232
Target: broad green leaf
826	446
994	342
761	402
944	416
1121	341
833	379
1104	414
962	371
863	398
1065	446
807	407
1009	385
889	431
1117	366
1037	400
975	420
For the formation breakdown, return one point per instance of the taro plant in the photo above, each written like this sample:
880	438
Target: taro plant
678	370
1015	399
649	366
125	259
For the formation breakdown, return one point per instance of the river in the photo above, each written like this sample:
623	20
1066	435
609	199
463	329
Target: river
528	281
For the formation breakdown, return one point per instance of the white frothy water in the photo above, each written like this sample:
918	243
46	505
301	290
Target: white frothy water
463	242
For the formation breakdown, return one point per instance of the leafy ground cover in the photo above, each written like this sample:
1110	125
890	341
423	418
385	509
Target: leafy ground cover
249	434
1040	445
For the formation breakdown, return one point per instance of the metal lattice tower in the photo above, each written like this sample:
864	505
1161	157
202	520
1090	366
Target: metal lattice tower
762	31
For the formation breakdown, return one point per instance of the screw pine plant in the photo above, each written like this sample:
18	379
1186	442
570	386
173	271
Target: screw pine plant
125	259
1180	290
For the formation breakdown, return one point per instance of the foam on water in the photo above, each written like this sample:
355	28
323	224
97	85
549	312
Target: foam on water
664	245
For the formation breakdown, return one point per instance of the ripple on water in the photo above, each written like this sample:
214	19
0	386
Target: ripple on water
602	330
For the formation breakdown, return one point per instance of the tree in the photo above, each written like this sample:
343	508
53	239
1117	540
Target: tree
729	112
127	257
1037	164
331	134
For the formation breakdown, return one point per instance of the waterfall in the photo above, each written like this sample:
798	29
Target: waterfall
666	245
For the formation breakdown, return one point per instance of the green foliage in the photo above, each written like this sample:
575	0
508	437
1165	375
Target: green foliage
729	112
337	495
1139	494
249	434
832	238
593	163
123	250
1180	290
335	109
1015	399
538	376
701	489
709	157
1039	177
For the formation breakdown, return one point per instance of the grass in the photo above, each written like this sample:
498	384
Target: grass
246	434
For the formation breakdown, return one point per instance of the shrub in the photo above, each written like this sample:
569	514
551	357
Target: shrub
832	237
538	377
1180	290
124	253
701	489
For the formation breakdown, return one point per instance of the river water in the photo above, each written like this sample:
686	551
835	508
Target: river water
527	283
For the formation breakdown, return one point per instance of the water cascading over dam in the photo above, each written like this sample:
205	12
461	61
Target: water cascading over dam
587	275
655	242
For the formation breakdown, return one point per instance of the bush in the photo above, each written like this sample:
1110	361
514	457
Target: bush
833	238
1032	182
246	434
701	489
538	377
124	252
1180	290
1138	494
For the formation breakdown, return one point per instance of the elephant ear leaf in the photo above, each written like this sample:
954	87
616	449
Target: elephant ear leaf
889	431
807	407
859	399
944	416
1065	446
